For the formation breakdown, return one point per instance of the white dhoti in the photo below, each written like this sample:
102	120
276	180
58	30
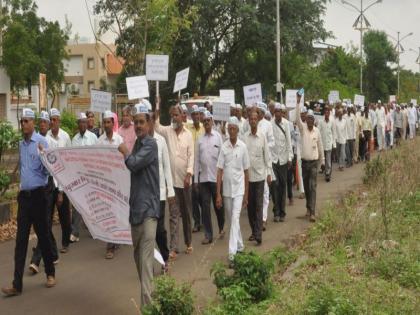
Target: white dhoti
380	134
266	201
233	207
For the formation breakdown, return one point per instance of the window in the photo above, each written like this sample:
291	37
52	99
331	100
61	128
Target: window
91	63
91	85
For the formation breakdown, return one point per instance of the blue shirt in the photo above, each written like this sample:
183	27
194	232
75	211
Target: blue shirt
33	174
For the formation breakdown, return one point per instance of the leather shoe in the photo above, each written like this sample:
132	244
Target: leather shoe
50	282
251	238
206	241
10	291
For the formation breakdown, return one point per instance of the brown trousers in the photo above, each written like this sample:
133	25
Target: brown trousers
183	208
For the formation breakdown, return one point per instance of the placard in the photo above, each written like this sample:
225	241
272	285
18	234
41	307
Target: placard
137	87
221	111
291	99
359	100
392	98
252	94
100	101
157	67
413	101
227	96
181	80
333	97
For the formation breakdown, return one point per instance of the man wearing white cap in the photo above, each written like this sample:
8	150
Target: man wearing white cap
205	170
197	130
62	140
232	167
326	127
412	119
380	126
312	154
282	156
32	204
351	135
109	137
82	138
341	138
181	152
143	164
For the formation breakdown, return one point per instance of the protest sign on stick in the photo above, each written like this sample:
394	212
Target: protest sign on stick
252	94
291	99
359	100
181	80
137	87
227	96
100	101
221	111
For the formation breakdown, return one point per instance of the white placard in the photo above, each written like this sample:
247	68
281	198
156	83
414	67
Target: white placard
221	111
252	94
359	100
413	101
100	101
392	98
227	96
137	87
181	80
333	97
291	99
157	67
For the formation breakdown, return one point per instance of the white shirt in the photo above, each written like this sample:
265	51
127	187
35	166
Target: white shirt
165	175
327	130
62	139
380	117
88	138
351	126
341	130
206	156
233	160
116	139
282	151
372	116
265	127
412	115
259	157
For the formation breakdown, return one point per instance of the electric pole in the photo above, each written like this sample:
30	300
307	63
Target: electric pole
279	86
399	49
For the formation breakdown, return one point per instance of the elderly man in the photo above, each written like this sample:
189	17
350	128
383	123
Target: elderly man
126	131
341	138
197	130
412	120
398	124
91	123
32	204
109	137
143	164
380	125
312	154
259	172
62	140
326	127
205	170
351	131
166	190
282	156
82	138
232	167
181	152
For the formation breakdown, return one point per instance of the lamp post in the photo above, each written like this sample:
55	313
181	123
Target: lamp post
361	24
279	86
400	49
418	74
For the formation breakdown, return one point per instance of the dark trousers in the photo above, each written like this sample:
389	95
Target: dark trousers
208	192
161	235
272	188
196	205
280	171
309	174
32	210
37	256
350	151
182	207
290	176
255	208
364	149
64	215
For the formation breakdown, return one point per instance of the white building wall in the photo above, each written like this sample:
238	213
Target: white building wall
73	66
5	89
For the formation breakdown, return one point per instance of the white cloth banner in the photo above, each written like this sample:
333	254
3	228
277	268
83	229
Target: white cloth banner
100	101
291	99
157	67
252	94
181	80
221	111
137	87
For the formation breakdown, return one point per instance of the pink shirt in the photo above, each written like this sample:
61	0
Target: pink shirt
128	135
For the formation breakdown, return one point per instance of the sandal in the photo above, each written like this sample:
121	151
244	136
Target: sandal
172	255
189	250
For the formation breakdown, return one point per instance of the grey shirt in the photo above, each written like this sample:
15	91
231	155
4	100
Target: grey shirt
143	164
398	119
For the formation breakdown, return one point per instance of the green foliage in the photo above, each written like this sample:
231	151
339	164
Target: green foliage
235	299
170	299
251	271
9	138
4	182
69	123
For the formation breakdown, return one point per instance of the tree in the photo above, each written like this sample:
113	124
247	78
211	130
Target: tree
379	77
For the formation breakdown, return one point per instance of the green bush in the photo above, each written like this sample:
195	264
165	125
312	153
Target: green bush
250	271
4	182
170	299
69	123
9	138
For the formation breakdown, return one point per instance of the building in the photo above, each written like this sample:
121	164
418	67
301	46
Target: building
6	112
90	66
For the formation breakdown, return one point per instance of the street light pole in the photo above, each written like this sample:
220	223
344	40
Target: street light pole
358	25
400	49
278	85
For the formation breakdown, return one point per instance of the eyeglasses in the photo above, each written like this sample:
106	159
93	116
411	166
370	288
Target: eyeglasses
24	121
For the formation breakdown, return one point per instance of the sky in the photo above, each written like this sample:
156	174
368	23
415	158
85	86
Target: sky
390	16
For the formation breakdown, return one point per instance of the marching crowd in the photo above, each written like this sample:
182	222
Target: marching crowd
197	165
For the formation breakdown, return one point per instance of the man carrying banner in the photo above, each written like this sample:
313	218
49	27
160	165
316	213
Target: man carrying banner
32	204
143	164
109	137
82	138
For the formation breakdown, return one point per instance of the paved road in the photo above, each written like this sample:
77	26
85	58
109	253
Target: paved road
89	284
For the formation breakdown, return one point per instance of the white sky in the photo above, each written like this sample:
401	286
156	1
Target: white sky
390	16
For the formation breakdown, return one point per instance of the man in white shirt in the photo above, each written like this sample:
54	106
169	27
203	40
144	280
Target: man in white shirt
281	157
232	167
326	127
341	138
351	135
205	168
312	154
259	172
62	139
109	137
412	120
82	138
380	126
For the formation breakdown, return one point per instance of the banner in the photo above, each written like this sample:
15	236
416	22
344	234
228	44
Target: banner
291	99
414	101
359	100
137	87
252	94
221	111
100	101
333	97
157	67
181	80
392	98
227	96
